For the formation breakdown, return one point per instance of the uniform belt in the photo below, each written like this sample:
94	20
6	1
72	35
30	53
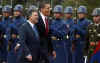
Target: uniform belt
16	36
4	36
77	36
63	38
11	42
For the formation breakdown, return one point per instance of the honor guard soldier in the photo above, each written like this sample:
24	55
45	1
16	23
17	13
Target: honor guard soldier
94	35
6	15
19	18
58	31
6	21
68	11
80	29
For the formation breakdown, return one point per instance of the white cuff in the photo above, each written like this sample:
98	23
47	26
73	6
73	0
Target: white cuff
18	44
29	55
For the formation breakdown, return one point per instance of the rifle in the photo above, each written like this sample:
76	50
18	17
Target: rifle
75	22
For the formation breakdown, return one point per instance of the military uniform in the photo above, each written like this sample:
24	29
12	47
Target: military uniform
93	30
69	23
14	34
6	21
80	31
14	37
59	36
93	35
18	21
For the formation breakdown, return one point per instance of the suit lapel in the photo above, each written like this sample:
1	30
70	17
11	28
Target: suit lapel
30	29
41	21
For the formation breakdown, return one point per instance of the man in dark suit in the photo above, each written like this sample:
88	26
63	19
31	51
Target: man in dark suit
29	40
43	28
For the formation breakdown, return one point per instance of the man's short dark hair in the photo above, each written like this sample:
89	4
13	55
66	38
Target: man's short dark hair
42	5
30	13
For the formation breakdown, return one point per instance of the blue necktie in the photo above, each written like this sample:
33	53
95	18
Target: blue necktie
35	31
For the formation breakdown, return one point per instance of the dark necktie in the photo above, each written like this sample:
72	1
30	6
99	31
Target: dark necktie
47	26
35	31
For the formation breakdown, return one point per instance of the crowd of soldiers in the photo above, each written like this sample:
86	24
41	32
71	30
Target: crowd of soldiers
74	40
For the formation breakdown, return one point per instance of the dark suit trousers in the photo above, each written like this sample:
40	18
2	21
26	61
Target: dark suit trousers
35	58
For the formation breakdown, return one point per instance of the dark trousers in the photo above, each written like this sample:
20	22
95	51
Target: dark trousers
44	56
35	58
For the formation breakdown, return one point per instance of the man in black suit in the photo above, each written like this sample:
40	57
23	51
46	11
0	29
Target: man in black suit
29	40
43	28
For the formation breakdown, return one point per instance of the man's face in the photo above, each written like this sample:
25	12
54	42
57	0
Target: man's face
6	14
81	15
68	16
57	15
17	13
46	10
96	19
34	17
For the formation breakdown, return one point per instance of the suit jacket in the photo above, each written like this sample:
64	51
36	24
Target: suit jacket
45	41
30	44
